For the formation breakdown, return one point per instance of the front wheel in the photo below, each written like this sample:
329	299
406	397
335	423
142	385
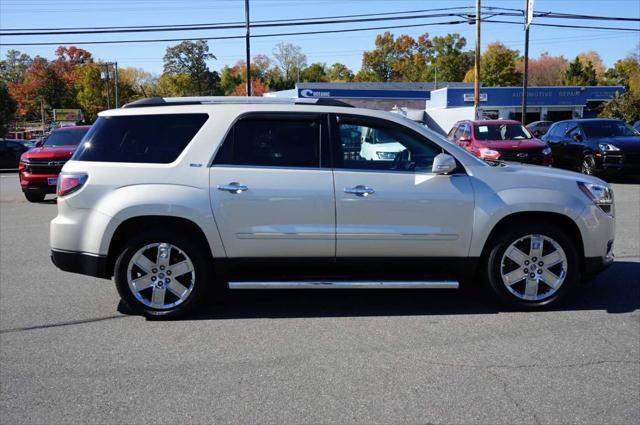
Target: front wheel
588	165
532	266
161	274
34	196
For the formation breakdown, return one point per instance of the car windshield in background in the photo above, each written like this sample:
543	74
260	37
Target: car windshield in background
65	138
501	132
596	129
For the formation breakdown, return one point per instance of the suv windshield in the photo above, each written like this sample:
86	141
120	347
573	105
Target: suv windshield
65	137
500	132
595	129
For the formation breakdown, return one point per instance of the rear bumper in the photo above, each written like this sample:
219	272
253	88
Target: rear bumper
81	262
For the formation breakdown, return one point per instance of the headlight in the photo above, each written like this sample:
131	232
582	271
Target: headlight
601	195
546	151
608	147
486	153
386	155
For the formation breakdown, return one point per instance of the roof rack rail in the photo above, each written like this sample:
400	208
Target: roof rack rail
208	100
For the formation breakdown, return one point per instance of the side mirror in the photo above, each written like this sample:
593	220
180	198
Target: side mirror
443	164
464	139
39	143
577	137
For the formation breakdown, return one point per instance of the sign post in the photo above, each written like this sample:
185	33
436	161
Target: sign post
476	83
525	74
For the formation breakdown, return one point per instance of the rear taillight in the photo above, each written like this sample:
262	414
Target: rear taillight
70	182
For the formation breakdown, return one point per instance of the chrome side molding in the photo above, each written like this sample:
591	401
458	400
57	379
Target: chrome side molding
356	284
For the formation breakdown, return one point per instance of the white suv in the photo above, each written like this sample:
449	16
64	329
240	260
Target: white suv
174	196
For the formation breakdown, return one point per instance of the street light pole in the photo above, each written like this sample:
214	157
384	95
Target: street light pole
476	68
248	43
115	76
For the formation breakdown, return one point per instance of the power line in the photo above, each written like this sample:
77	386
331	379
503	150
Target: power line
230	37
540	24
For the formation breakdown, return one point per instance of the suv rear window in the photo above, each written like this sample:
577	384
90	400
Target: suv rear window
139	138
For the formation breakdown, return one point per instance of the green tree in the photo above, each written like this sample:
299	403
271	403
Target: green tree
91	96
397	59
291	60
339	73
190	58
498	66
625	106
14	66
578	74
315	72
450	60
625	72
7	108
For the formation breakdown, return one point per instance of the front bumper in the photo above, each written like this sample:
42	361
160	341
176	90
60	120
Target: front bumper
81	262
618	162
37	182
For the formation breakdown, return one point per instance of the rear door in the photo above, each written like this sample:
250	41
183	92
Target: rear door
271	192
556	140
397	208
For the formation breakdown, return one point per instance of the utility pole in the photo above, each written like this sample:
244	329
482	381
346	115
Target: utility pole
476	68
115	76
42	112
528	17
248	43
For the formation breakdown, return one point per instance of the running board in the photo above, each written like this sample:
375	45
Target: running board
356	284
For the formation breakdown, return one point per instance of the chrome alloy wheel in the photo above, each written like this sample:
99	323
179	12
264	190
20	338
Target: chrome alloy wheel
160	276
533	267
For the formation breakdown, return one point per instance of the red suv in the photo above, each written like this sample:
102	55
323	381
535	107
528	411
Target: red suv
39	167
503	140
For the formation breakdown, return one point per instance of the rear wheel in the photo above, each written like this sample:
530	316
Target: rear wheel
161	274
34	196
532	266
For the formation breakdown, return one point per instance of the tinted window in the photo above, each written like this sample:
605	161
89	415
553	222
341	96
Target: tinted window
272	142
560	129
139	138
607	129
370	146
65	137
501	132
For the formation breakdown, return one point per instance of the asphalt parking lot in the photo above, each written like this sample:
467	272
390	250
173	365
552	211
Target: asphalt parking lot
67	355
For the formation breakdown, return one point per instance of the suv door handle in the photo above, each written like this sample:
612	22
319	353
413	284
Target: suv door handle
359	190
233	187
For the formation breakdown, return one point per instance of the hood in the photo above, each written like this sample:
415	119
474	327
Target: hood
626	143
512	144
53	152
534	172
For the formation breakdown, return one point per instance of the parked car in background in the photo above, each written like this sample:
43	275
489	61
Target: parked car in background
637	126
170	196
40	166
500	140
539	128
10	152
595	146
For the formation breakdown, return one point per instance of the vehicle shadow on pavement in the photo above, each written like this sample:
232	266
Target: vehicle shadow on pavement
616	290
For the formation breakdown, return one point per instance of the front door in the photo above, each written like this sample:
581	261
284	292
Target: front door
394	206
270	194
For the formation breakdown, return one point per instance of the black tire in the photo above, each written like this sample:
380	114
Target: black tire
34	196
588	165
492	267
202	269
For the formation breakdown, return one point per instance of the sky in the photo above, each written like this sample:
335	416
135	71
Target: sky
346	48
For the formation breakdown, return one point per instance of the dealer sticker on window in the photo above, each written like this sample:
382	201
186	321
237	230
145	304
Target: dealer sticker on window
483	129
52	181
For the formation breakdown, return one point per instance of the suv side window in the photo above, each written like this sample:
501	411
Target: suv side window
574	131
369	144
559	130
452	132
271	141
139	138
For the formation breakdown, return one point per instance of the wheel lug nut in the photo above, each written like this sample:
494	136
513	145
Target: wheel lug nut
532	275
526	263
534	259
167	280
153	278
154	270
539	271
541	264
168	272
526	270
161	267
